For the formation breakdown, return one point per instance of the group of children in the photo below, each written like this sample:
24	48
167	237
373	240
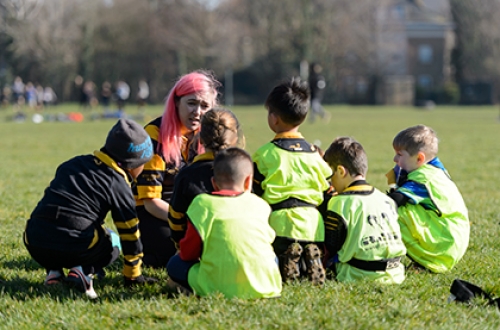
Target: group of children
315	211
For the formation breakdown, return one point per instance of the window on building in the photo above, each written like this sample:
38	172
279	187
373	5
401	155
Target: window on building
424	81
398	12
425	54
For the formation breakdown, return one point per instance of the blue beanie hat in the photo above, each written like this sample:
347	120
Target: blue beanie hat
129	144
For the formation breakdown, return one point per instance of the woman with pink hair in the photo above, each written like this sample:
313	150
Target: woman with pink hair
175	144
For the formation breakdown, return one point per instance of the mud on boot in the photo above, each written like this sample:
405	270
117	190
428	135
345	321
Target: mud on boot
314	266
289	262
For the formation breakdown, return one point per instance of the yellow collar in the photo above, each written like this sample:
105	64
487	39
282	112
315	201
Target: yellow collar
359	188
209	155
111	163
288	135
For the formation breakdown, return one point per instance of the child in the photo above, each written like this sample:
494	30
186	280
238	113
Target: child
362	234
66	229
292	177
219	131
432	214
227	247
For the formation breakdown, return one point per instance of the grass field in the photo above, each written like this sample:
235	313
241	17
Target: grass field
469	148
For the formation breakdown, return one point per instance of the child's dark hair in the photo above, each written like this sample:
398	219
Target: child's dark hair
289	101
220	129
347	152
232	165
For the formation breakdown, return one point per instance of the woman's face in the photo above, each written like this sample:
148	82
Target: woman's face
190	109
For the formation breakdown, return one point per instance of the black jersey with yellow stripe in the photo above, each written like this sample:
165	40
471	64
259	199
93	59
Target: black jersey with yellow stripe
191	181
158	177
74	207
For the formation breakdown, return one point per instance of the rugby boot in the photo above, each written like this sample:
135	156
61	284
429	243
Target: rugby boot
289	262
314	265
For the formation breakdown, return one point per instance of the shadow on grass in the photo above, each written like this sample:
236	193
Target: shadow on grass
24	263
108	290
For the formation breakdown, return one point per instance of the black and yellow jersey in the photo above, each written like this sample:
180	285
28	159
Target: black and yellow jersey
291	175
74	207
157	178
361	228
191	181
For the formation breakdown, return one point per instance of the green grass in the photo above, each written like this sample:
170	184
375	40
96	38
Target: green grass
469	147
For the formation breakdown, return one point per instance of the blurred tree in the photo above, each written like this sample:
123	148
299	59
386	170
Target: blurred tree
261	41
46	41
477	52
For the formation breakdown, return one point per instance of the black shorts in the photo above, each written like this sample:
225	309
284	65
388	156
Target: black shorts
157	244
99	256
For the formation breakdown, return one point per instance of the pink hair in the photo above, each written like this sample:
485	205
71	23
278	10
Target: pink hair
170	138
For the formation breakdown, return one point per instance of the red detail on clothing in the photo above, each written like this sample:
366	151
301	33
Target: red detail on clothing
227	193
191	245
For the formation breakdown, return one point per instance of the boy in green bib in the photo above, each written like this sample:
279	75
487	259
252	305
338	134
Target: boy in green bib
362	234
227	247
432	213
290	174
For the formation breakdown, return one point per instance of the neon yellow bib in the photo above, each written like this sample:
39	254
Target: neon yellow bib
237	259
435	239
372	233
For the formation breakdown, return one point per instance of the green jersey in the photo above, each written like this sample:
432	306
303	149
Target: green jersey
237	258
292	177
434	224
365	223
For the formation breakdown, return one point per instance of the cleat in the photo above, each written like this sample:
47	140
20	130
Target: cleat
289	262
54	277
314	266
175	287
81	282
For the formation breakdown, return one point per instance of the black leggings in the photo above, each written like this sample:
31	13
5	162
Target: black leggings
157	244
99	256
281	244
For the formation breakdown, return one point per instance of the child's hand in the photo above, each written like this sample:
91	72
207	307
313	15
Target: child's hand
399	198
391	178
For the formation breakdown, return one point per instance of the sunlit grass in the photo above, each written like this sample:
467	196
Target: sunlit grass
469	148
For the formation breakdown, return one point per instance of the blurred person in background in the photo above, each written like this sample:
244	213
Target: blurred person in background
317	86
122	94
17	90
49	96
142	94
106	95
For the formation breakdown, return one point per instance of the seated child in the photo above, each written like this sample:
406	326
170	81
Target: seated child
362	234
66	229
227	247
292	177
219	131
432	214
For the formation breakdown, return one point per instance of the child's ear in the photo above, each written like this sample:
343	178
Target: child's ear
216	188
421	159
274	119
342	171
247	184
